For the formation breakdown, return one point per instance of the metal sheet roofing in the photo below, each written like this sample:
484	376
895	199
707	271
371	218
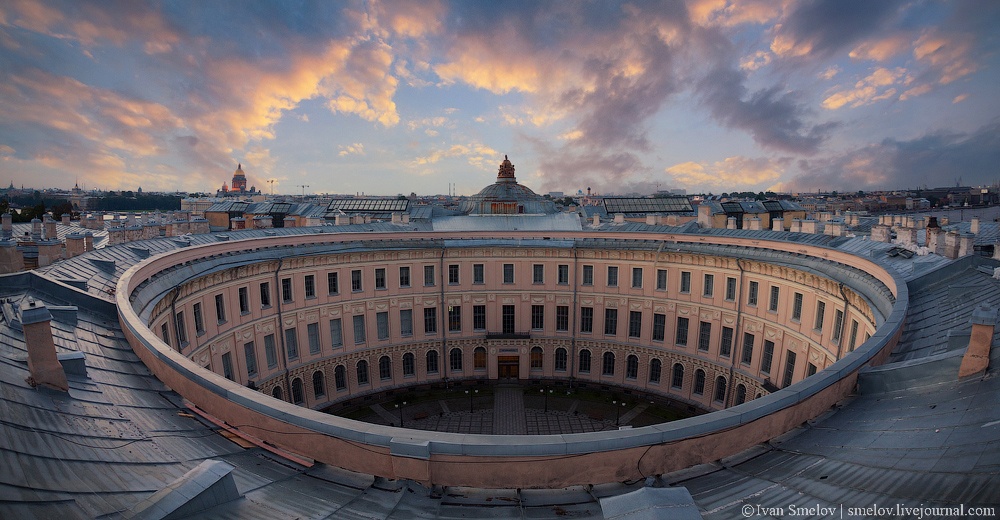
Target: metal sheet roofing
368	205
647	205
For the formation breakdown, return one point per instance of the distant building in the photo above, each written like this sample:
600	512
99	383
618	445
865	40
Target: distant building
239	185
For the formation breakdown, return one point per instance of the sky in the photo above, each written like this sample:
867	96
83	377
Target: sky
383	98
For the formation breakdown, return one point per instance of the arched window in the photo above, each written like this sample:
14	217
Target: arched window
677	377
319	385
654	370
362	372
297	391
536	358
455	360
699	381
432	362
276	393
720	388
631	367
479	358
560	359
384	368
585	361
741	394
608	366
409	364
340	377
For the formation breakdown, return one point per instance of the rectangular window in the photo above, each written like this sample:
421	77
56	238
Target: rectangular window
562	274
747	356
455	318
726	343
634	324
704	335
310	283
588	275
537	317
730	288
820	315
681	338
508	273
478	273
685	282
789	369
659	326
265	295
404	276
772	303
610	322
562	318
336	333
708	289
612	276
453	274
382	325
244	297
838	325
428	275
227	365
356	280
250	354
165	333
380	281
312	331
507	319
359	329
586	319
291	343
637	278
811	370
286	290
332	283
752	294
430	320
538	273
478	317
269	352
220	308
797	307
181	329
199	322
854	335
767	356
406	322
661	279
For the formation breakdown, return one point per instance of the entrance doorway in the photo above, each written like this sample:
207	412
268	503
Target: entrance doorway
507	367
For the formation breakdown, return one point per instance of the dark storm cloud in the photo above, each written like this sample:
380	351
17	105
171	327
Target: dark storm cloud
936	159
831	25
775	119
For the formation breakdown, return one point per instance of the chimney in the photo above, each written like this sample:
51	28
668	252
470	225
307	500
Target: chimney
50	228
977	356
43	364
974	225
8	225
36	230
65	219
778	224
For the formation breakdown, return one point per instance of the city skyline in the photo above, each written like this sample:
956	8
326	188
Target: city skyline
386	97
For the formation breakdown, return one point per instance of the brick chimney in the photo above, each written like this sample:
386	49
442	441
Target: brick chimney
977	356
43	364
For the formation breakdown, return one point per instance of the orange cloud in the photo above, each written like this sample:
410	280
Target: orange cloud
949	54
879	85
731	13
731	173
881	49
476	154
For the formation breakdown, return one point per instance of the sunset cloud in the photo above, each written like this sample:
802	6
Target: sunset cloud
732	173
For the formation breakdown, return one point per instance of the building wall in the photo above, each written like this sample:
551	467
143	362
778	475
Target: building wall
676	301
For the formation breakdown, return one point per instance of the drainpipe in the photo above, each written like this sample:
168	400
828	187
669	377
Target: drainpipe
281	332
736	335
443	358
576	310
173	316
843	321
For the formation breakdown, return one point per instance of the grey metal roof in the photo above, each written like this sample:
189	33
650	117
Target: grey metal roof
120	435
647	205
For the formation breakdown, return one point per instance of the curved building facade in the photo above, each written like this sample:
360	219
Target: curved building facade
768	334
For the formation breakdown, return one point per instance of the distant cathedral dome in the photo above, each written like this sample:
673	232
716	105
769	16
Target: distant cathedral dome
507	197
239	179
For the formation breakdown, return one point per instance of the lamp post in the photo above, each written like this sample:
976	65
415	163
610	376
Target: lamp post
618	410
546	398
400	408
470	394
